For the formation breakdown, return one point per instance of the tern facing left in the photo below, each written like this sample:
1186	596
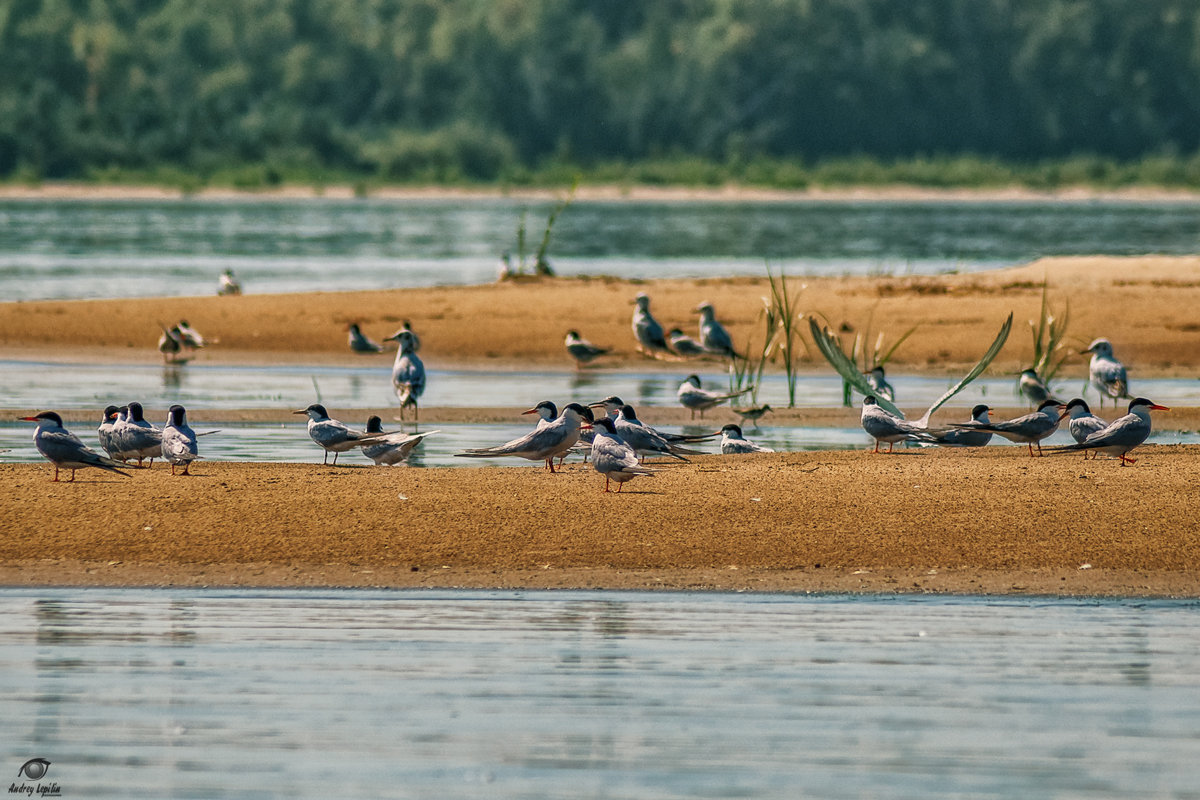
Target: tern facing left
179	440
64	449
694	398
408	371
1105	372
884	426
612	457
713	336
545	442
733	442
334	436
1122	435
582	350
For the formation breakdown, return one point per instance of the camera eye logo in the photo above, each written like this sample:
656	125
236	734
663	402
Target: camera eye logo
34	769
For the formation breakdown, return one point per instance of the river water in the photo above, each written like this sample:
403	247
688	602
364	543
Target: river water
73	249
419	694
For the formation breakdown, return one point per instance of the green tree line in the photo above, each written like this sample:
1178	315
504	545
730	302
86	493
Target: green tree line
772	91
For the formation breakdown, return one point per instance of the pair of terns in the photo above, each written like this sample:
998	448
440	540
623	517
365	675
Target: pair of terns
1105	373
65	450
335	436
408	371
714	339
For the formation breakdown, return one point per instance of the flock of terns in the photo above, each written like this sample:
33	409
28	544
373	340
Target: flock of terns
615	441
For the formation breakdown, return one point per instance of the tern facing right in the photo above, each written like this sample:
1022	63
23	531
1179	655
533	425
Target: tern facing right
612	457
179	440
1029	429
1122	435
1105	372
390	448
1034	388
546	442
733	442
408	372
64	449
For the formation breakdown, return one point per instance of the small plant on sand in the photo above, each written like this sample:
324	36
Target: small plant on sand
541	265
781	333
877	356
1049	333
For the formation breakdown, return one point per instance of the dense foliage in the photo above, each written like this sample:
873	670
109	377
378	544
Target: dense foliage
768	91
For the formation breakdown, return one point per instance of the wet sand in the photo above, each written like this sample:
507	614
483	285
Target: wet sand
955	521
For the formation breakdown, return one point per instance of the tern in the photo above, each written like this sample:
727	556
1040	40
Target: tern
582	350
179	440
884	426
612	457
391	448
416	340
1029	429
733	442
692	397
1105	372
1034	388
134	437
612	406
753	413
963	435
170	344
1082	423
333	435
359	343
713	335
408	372
191	337
645	440
543	443
64	449
686	346
1122	434
227	284
105	432
878	383
646	328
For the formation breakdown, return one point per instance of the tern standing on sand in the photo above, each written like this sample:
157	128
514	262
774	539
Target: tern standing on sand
713	335
612	457
1029	429
408	372
964	434
179	440
646	328
334	436
1081	422
884	426
582	350
1105	372
1122	435
359	342
64	449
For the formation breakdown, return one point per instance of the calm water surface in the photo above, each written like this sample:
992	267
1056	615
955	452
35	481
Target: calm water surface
65	249
579	694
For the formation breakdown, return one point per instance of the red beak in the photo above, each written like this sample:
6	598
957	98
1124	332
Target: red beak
1157	407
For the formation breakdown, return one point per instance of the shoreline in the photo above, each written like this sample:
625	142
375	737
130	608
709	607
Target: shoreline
82	191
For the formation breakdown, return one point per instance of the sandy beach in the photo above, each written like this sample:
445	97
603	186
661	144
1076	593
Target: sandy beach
989	521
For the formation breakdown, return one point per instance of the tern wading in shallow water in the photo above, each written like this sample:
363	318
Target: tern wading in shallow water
390	448
333	435
694	398
545	442
1029	429
1121	435
64	449
878	382
752	413
1106	373
734	443
179	440
581	350
408	372
646	329
1081	422
612	457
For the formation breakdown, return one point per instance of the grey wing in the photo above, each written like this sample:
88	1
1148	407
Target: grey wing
649	332
612	454
177	445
